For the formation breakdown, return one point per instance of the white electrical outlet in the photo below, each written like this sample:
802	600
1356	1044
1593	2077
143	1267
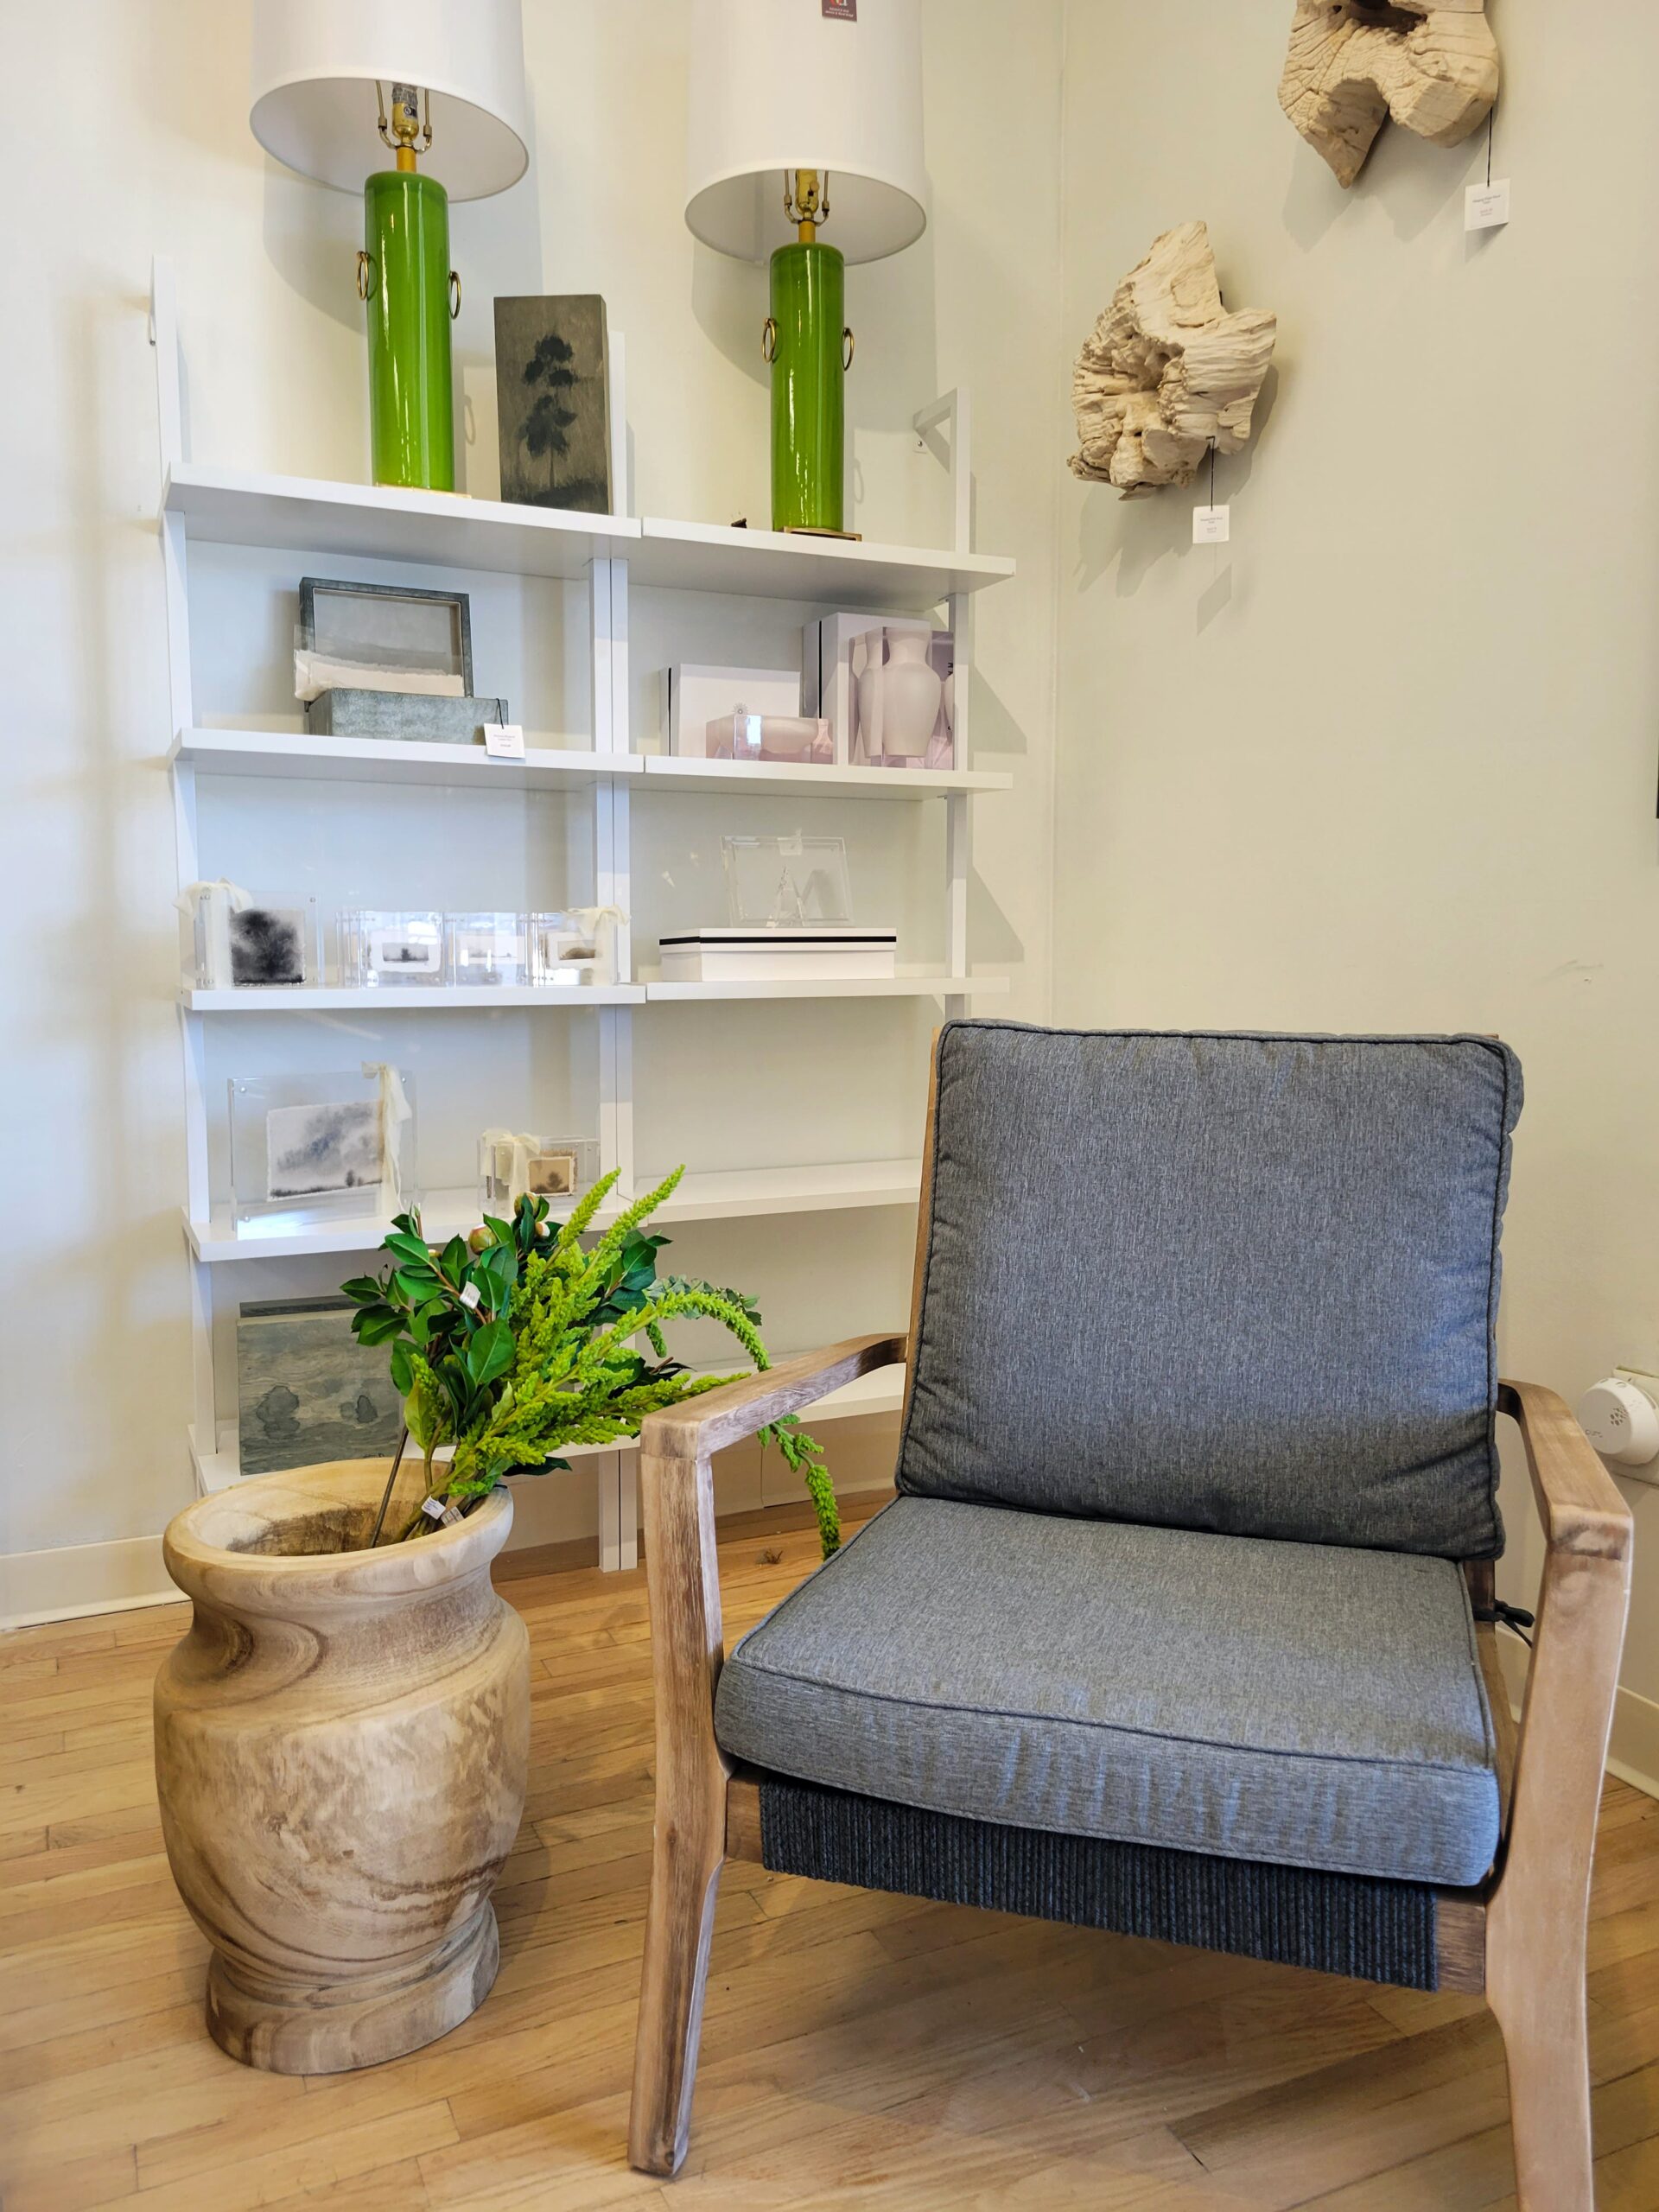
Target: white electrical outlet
1620	1416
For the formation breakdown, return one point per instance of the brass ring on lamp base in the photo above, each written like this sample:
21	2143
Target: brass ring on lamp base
769	340
364	274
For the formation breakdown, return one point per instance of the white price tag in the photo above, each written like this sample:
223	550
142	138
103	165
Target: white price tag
1211	525
470	1296
504	740
1487	207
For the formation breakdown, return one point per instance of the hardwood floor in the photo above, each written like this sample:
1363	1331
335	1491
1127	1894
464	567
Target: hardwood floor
857	2049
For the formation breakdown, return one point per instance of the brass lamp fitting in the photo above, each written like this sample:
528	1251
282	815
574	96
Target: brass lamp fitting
805	203
407	122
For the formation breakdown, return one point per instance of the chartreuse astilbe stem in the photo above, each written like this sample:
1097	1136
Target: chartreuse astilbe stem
518	1343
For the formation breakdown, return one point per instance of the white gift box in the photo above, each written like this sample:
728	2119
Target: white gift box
694	696
761	955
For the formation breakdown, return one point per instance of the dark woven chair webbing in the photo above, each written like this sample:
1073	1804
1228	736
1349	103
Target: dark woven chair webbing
1339	1923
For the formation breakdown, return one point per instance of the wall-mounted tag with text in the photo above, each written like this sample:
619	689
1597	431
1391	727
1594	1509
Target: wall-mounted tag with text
1487	207
1211	525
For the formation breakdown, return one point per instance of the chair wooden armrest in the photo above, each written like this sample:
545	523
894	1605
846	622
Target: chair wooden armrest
1578	1502
676	1497
1538	1905
708	1423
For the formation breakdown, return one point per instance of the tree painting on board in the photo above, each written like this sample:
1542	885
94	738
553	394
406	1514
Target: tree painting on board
553	399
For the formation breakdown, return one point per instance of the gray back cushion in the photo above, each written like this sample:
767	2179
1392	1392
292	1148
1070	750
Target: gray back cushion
1243	1283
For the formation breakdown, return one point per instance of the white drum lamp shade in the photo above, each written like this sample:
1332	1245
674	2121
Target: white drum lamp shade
314	64
775	85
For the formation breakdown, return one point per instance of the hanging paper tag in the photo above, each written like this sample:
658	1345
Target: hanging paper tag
433	1507
470	1296
1487	207
504	740
1211	525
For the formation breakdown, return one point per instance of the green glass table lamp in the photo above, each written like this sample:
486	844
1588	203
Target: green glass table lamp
322	71
826	97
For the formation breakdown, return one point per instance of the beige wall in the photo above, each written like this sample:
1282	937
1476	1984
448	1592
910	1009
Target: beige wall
1389	760
131	139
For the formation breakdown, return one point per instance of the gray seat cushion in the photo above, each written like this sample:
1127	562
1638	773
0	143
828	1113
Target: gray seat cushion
1304	1706
1232	1282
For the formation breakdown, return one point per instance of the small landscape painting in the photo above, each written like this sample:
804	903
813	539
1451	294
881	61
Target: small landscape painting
314	1148
552	387
307	1390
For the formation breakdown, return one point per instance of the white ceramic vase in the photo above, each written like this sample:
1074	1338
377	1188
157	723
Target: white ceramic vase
903	699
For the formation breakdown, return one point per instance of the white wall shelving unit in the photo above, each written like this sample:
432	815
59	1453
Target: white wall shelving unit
240	508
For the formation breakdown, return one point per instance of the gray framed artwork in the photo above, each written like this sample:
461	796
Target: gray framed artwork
391	625
553	399
307	1391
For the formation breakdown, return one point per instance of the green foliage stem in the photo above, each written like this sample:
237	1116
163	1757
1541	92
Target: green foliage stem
518	1343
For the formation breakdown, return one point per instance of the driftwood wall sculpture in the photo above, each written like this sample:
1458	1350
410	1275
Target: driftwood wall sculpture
1432	67
1166	371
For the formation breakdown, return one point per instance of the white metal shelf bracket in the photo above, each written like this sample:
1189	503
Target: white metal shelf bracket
945	426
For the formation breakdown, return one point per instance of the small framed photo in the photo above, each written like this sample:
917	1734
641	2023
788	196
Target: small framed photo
512	1164
376	627
260	946
384	950
552	1174
267	946
489	950
317	1147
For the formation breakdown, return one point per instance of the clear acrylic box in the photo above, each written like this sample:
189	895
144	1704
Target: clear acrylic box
569	949
487	950
511	1163
788	882
267	945
384	950
805	740
307	1149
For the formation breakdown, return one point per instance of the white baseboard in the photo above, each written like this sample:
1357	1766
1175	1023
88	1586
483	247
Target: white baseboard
1633	1752
1633	1755
73	1580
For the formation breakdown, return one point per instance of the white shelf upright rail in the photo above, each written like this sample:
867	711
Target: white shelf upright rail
164	337
616	1472
945	428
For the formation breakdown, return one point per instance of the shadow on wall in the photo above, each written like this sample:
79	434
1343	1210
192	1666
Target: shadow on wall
1137	534
1414	194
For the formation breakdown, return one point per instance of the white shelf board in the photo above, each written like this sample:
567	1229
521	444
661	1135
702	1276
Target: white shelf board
731	1194
791	779
776	564
412	1000
882	1392
722	1195
392	760
894	987
305	514
447	530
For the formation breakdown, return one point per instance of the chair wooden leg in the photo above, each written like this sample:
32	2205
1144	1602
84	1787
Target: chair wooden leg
679	1924
1540	2004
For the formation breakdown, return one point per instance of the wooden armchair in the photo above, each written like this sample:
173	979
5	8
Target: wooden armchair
1515	1931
